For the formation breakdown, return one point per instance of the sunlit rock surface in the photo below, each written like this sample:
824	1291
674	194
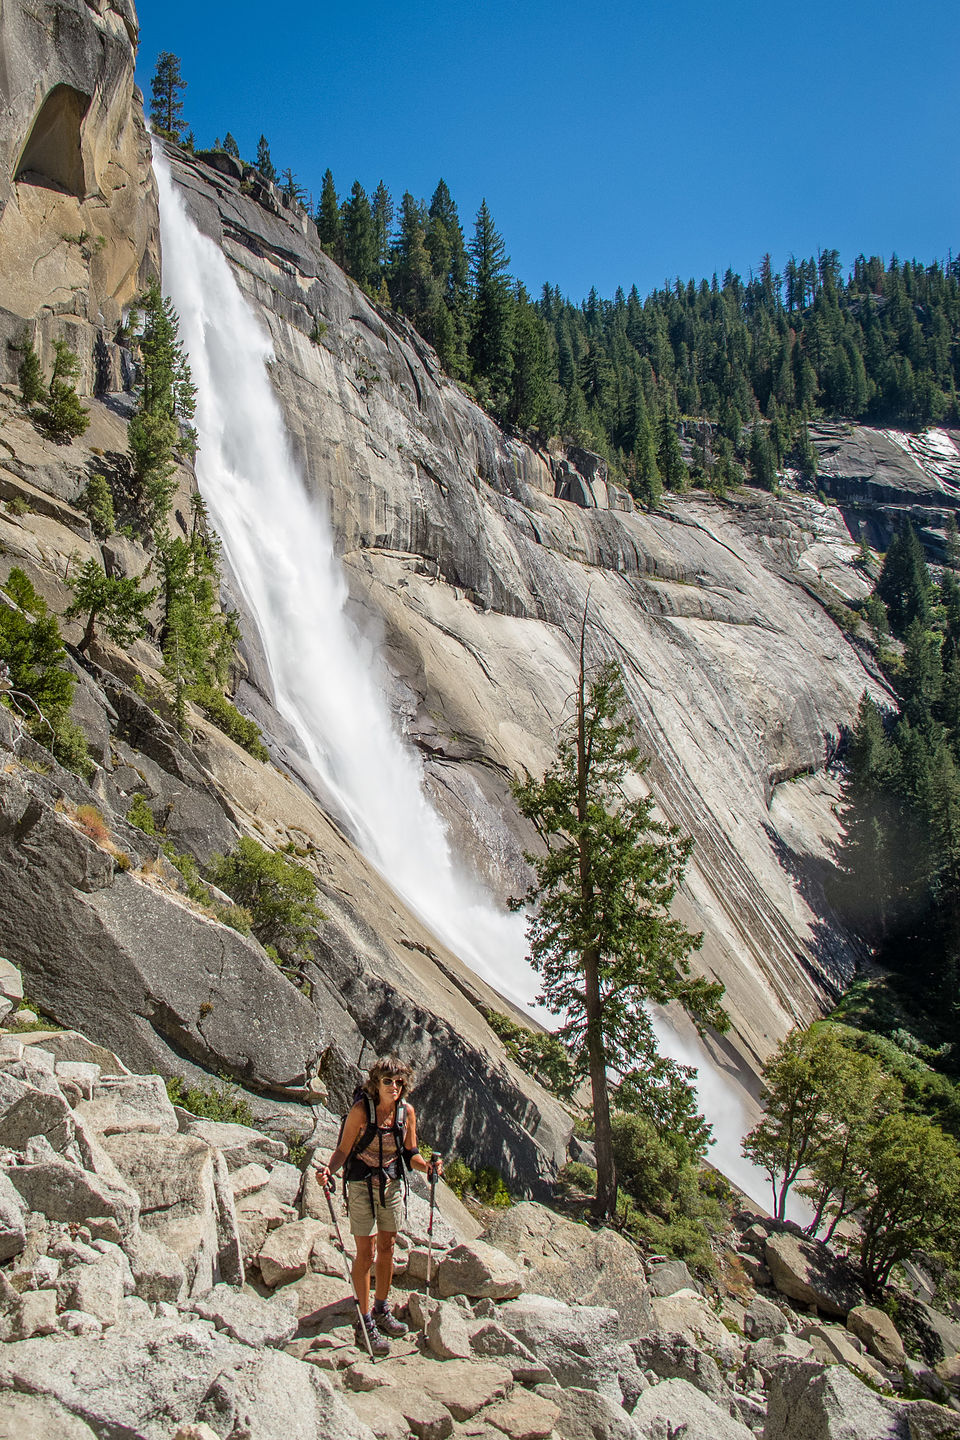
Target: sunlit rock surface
476	577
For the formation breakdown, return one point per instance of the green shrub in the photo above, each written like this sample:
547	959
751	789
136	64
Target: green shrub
96	502
577	1176
238	917
214	1102
486	1184
279	894
32	647
60	413
141	815
296	1148
30	374
227	718
541	1054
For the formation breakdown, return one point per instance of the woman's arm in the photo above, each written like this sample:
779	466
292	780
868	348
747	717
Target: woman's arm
353	1126
417	1162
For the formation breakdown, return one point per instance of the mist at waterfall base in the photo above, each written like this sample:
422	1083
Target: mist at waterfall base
279	544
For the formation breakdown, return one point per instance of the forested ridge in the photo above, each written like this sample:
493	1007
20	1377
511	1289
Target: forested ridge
900	860
756	358
753	361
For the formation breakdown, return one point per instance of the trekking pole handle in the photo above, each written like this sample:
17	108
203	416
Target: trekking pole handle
433	1174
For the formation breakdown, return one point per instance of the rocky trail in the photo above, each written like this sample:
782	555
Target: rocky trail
164	1277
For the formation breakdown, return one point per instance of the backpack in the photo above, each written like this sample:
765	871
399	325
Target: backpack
356	1169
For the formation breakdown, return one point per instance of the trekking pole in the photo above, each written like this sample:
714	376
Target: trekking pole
328	1190
433	1196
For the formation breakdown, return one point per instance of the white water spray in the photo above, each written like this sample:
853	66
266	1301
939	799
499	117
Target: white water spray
280	548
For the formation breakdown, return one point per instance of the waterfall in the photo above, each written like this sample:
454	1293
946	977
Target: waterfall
279	544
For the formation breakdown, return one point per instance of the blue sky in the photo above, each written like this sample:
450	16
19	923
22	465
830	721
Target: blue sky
615	143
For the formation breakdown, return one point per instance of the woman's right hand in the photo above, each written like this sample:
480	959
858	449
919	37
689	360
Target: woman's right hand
324	1176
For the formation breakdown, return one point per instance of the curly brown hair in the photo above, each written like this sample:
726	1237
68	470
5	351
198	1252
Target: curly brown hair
388	1067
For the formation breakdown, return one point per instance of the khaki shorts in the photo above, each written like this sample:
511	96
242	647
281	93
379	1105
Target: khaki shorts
365	1220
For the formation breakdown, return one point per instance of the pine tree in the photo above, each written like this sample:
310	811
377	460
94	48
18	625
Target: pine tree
264	163
60	413
531	398
30	374
329	223
294	194
492	311
166	398
763	465
117	603
166	88
669	455
382	214
359	237
601	935
230	146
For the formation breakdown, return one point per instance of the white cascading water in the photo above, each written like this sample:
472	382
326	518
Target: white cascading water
280	548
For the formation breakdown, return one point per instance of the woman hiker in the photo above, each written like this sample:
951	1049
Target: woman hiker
379	1135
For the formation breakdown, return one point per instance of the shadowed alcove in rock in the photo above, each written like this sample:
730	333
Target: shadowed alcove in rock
52	154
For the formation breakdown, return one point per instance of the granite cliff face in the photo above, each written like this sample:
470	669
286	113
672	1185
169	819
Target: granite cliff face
78	203
456	544
470	556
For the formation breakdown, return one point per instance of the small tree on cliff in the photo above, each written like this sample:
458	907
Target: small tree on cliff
116	602
601	935
166	399
166	87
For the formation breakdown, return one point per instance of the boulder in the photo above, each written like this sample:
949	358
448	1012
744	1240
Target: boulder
385	1420
688	1314
942	1333
38	1417
462	1386
130	1103
81	1073
284	1180
95	1289
672	1357
12	1210
62	1191
675	1408
584	1415
319	1293
446	1333
248	1180
285	1255
523	1416
11	982
574	1263
835	1346
245	1316
764	1319
37	1113
143	1382
670	1276
238	1144
765	1355
808	1271
491	1341
185	1201
878	1333
158	1272
70	1046
36	1314
579	1344
426	1417
807	1402
480	1271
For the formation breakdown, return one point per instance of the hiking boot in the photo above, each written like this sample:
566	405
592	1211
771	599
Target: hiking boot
378	1343
388	1324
